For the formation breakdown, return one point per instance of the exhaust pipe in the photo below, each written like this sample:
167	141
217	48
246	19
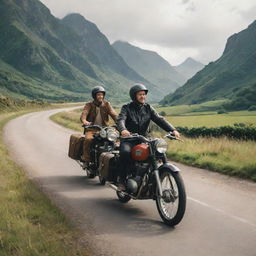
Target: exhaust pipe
114	187
111	185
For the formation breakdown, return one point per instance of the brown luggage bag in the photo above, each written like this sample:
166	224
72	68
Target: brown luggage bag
76	146
104	165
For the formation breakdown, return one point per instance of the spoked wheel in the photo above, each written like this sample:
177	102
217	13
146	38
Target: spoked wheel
123	197
172	205
90	174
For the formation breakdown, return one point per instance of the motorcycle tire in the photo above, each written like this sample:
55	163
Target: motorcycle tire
91	176
177	191
123	198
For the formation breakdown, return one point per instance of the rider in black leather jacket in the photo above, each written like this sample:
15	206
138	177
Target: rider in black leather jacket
136	115
135	118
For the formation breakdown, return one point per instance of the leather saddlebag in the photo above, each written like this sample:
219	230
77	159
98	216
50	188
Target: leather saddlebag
105	168
76	146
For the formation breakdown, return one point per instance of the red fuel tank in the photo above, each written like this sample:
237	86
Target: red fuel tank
140	152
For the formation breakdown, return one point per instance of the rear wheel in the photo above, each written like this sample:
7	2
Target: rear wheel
172	205
123	197
91	176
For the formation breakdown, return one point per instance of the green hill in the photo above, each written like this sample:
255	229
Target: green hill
43	57
225	78
151	66
189	67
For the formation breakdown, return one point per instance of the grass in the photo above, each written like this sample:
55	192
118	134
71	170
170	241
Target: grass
69	119
210	107
214	120
236	158
205	114
30	224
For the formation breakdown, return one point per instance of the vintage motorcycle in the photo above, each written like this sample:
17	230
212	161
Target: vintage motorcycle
148	174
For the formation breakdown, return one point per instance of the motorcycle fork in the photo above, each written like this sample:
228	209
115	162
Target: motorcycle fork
156	173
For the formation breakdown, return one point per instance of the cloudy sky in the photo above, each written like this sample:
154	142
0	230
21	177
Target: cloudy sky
176	29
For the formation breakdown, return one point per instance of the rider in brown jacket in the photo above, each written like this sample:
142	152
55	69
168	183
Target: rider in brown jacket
95	112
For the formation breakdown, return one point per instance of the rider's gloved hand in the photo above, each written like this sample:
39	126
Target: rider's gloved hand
125	133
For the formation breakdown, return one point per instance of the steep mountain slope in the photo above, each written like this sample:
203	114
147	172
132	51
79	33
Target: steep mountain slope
235	69
42	57
94	40
189	67
150	65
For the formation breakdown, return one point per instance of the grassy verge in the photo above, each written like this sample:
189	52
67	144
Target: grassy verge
236	158
30	224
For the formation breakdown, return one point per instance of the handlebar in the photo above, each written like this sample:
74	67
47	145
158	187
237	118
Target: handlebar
144	139
172	137
137	136
91	126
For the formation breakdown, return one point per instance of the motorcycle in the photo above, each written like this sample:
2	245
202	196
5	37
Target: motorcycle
148	173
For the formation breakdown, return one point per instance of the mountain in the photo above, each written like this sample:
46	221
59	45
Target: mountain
96	42
151	66
43	57
224	78
189	67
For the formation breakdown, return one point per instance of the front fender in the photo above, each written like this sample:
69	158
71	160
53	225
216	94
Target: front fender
169	166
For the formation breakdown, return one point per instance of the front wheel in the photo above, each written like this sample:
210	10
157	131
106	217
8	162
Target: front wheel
172	205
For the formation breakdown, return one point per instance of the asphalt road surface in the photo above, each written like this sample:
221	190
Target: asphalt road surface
221	211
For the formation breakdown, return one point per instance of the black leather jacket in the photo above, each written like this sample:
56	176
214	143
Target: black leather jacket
135	118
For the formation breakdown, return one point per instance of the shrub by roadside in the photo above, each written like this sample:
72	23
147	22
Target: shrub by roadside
234	132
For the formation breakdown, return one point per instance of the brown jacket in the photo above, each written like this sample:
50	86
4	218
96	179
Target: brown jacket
89	112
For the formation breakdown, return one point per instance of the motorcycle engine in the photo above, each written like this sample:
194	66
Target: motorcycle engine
141	168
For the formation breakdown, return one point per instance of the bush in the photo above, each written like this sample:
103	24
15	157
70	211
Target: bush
239	124
252	108
162	113
222	110
234	132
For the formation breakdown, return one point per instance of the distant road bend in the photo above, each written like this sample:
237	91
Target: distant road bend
220	217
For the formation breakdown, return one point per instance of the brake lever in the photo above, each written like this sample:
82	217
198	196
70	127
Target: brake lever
172	137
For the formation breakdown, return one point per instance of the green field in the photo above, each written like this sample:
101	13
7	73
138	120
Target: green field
210	107
214	120
205	114
232	157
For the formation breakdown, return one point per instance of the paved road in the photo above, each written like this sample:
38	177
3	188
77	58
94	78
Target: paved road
220	217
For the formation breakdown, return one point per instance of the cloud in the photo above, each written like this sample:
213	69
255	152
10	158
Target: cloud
185	1
175	28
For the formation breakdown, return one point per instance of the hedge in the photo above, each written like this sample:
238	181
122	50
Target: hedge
240	133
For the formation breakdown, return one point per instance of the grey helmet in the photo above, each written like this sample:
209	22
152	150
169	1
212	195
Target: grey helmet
97	89
136	88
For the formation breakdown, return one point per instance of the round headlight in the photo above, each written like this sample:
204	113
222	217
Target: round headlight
103	134
112	135
161	146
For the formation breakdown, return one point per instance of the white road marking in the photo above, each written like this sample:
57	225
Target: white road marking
222	212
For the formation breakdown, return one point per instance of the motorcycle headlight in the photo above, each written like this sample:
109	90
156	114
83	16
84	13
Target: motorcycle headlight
103	134
161	146
112	135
